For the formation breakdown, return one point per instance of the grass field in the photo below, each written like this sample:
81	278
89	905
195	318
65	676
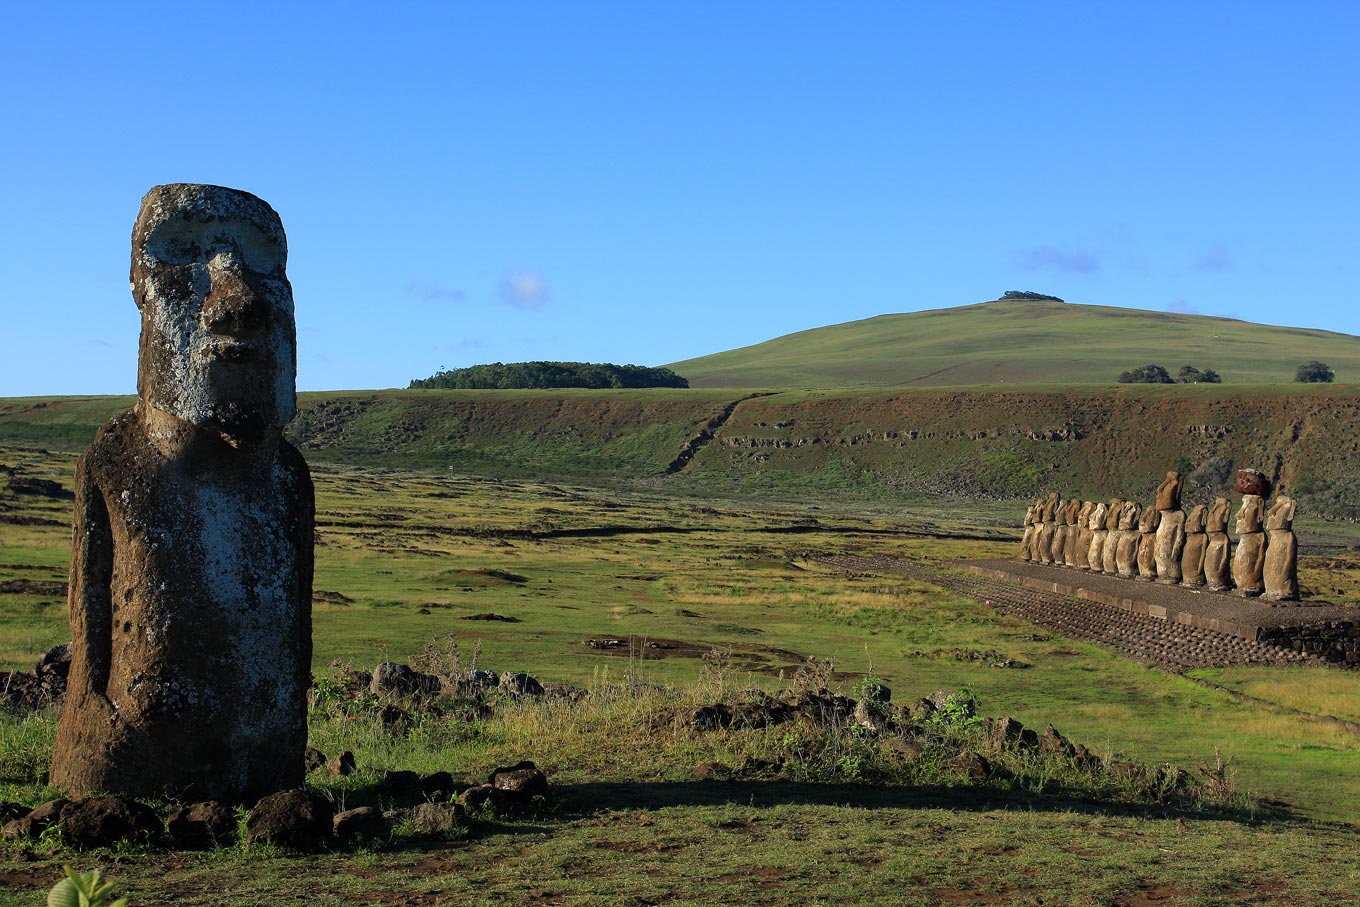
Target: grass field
410	557
1021	342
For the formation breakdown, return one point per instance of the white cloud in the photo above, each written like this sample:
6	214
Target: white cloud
524	289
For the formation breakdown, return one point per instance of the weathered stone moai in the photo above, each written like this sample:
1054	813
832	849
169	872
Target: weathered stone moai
1218	550
1281	570
1083	552
1059	543
1196	544
1109	563
191	563
1249	558
1126	549
1099	533
1147	543
1073	533
1047	527
1027	540
1171	529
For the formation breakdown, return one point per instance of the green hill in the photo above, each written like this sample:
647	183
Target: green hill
1021	342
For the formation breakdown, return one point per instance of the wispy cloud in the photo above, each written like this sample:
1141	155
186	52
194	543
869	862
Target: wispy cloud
1055	259
432	292
1181	307
524	289
1216	259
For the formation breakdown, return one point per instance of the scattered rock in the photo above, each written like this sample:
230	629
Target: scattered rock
970	765
313	759
491	616
101	821
392	679
10	811
921	709
520	684
292	818
434	819
437	785
205	823
361	822
708	717
522	780
341	765
478	798
563	691
1050	741
393	720
55	661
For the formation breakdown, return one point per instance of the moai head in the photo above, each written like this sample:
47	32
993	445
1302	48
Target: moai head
1050	506
1218	515
219	344
1128	516
1169	492
1112	512
1098	514
1073	509
1195	521
1084	514
1150	520
1281	514
1249	517
1029	515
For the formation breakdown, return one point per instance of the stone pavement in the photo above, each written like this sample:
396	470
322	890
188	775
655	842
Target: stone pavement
1046	596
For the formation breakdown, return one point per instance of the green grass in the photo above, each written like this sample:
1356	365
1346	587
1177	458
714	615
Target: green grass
1021	342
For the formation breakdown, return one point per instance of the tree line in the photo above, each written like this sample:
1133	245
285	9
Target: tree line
542	375
1310	372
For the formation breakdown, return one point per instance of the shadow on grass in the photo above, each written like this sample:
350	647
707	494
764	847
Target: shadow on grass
580	800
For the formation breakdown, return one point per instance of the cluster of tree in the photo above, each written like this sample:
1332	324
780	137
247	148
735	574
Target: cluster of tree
500	375
1315	373
1156	374
1029	294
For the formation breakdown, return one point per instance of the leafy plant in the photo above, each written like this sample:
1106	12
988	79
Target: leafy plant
83	889
1315	373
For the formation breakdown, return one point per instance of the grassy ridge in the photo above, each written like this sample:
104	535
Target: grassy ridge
1021	342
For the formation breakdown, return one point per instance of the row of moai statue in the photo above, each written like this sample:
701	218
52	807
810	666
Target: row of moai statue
1165	544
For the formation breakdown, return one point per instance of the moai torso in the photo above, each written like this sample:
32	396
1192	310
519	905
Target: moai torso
1108	561
1196	542
1171	530
1098	534
1126	550
1083	543
1073	535
1218	548
1249	559
1058	543
1280	572
1047	527
1027	540
1147	543
191	565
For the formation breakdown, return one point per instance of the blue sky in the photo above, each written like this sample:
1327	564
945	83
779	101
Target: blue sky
648	182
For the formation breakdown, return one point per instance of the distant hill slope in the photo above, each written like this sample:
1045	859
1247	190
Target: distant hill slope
1021	342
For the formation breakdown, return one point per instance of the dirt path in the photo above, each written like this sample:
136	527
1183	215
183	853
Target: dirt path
707	433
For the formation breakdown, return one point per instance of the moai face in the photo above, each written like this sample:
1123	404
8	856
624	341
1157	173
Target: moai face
219	343
1281	513
1249	517
1150	520
1194	522
1218	515
1128	516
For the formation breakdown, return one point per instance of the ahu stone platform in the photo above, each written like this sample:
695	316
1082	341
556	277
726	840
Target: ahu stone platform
1320	629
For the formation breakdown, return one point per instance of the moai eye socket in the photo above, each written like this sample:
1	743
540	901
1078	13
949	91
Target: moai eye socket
179	241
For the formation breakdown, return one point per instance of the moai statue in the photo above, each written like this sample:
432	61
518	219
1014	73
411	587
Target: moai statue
1073	533
1099	533
1196	544
1147	543
1281	571
1108	562
1126	548
1027	540
191	561
1083	548
1047	527
1249	558
1058	543
1171	530
1218	551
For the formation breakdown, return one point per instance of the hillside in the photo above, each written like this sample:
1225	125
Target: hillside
824	446
1021	342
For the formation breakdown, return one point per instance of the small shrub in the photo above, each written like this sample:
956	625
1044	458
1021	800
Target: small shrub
83	889
1147	374
1315	373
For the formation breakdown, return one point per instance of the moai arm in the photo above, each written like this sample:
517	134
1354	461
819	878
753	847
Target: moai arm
306	562
90	597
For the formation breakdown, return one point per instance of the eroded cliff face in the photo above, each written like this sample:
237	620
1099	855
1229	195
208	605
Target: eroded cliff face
977	443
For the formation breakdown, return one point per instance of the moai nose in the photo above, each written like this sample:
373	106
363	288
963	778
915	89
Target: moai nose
234	305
